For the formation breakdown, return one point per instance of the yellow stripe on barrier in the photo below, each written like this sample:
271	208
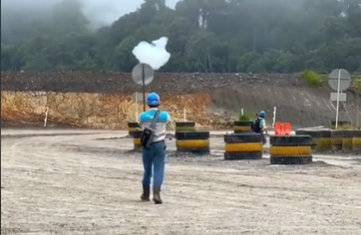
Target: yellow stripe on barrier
356	141
290	151
187	144
336	141
242	128
323	143
133	129
136	142
243	147
347	142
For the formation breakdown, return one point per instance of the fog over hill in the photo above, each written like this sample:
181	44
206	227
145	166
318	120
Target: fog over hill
99	12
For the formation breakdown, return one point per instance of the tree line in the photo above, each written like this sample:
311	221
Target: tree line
223	36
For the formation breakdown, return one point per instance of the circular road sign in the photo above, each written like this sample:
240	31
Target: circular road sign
137	74
345	79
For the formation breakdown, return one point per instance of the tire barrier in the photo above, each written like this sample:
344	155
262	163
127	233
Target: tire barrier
136	139
347	141
133	127
287	150
193	142
321	139
356	141
242	126
337	139
339	124
185	127
244	146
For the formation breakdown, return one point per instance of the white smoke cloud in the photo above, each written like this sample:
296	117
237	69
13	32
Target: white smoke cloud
154	54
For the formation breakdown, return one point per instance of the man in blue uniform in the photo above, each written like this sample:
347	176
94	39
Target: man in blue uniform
154	156
259	126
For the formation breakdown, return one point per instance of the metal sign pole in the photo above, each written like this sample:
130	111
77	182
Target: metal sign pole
142	75
136	108
338	96
358	97
339	80
143	86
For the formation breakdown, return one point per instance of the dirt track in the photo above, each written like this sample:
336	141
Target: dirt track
76	184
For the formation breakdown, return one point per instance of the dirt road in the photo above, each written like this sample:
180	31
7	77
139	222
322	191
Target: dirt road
78	184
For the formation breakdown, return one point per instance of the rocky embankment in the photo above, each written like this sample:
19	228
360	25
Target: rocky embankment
104	100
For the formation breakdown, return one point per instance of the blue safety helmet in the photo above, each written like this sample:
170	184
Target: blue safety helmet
262	114
153	100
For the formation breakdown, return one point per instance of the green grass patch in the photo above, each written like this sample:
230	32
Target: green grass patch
245	117
312	79
356	85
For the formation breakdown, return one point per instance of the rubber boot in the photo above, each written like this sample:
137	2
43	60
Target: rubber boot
145	197
156	196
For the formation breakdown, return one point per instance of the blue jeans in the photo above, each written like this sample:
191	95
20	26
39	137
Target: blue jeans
154	157
263	138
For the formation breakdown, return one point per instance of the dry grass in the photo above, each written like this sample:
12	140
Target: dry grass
105	111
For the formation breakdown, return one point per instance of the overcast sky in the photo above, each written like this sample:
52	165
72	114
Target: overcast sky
98	11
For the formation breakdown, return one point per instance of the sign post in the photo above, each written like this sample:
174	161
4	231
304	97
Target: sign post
358	110
137	98
339	80
143	75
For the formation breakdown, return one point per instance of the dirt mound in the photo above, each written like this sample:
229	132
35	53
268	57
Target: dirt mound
301	106
104	100
164	83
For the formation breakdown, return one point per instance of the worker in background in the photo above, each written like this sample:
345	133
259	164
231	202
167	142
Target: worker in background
154	156
259	126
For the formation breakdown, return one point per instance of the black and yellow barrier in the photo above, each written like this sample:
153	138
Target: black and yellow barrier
347	141
287	150
133	127
321	139
193	142
356	141
185	127
340	124
337	139
242	126
244	146
136	139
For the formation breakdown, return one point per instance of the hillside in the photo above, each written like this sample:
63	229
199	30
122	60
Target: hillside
103	100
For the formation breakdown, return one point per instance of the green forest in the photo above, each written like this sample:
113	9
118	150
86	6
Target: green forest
211	36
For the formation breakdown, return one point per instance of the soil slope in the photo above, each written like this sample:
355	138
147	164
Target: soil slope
97	100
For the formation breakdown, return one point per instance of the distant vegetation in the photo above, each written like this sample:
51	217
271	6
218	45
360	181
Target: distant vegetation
356	84
245	117
280	36
312	78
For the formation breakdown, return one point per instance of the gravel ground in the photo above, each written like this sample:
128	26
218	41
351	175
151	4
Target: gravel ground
77	184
